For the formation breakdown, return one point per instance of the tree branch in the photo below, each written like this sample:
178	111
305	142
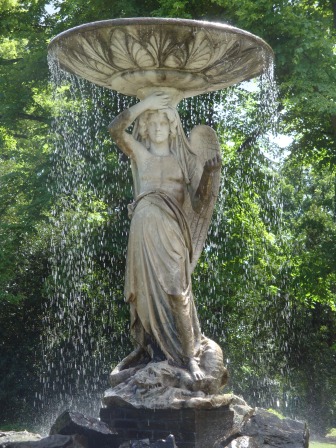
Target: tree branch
333	124
24	116
33	117
20	136
9	61
249	142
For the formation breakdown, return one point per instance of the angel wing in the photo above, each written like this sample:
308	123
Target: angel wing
204	143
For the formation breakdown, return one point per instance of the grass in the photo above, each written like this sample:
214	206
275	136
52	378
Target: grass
11	427
321	445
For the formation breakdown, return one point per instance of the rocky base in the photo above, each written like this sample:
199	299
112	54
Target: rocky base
29	440
74	430
234	425
7	437
160	385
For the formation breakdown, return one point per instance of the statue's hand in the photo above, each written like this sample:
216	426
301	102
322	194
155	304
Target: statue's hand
156	101
213	164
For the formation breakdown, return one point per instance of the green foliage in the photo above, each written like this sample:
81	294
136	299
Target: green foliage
272	245
278	414
311	193
331	433
314	444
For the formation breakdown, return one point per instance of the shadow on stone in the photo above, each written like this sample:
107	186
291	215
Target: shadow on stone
168	443
96	433
234	425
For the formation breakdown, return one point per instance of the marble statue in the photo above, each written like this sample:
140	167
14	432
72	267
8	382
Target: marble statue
176	181
166	171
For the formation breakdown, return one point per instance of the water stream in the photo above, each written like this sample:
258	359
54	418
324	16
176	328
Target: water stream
86	320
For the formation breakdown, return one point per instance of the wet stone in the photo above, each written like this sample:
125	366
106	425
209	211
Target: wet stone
236	425
17	436
97	433
145	443
243	442
55	441
269	430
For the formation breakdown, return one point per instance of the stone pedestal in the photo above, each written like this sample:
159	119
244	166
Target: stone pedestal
234	425
192	428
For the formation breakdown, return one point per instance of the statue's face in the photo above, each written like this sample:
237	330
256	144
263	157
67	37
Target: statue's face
158	127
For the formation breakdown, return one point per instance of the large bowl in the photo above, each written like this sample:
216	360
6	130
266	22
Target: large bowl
136	56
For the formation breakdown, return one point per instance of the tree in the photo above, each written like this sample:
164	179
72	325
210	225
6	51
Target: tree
275	316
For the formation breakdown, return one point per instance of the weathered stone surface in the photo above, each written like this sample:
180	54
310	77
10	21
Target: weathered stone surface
161	258
161	386
17	436
54	441
243	442
132	55
96	432
192	427
176	182
264	429
270	430
168	443
235	425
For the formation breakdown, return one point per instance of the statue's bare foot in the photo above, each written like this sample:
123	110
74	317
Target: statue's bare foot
195	371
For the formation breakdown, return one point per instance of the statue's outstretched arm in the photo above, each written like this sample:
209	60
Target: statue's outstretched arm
118	126
204	189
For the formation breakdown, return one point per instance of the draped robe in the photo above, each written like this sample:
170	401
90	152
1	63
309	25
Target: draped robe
158	277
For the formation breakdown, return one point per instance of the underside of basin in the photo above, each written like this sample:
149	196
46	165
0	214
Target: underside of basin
135	56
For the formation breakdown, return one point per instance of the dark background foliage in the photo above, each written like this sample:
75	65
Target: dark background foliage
271	304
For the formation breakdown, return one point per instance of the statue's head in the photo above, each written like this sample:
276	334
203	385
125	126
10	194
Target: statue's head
158	124
178	142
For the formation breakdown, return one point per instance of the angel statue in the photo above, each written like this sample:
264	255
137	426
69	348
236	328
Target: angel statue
175	187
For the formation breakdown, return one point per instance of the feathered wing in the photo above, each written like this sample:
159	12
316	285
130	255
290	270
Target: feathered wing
205	145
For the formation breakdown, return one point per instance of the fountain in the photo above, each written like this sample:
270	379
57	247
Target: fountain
172	381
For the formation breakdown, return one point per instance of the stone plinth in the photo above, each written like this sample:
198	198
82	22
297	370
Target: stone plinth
234	425
192	428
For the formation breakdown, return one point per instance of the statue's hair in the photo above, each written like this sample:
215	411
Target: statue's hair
143	122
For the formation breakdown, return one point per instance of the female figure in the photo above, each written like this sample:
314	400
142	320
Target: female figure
164	321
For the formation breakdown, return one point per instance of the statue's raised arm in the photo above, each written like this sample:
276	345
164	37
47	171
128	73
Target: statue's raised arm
118	126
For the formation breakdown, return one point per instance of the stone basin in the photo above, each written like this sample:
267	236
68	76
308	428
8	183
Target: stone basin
138	55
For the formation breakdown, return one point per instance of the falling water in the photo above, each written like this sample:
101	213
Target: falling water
86	320
90	184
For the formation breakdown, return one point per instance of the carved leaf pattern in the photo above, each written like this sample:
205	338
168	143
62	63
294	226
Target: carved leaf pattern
93	49
154	46
94	67
222	56
230	67
77	67
175	60
232	61
87	54
120	52
167	52
127	52
140	55
199	52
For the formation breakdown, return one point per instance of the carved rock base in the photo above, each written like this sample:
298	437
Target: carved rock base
161	386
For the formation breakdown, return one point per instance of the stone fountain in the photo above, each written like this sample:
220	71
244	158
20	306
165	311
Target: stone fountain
172	382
